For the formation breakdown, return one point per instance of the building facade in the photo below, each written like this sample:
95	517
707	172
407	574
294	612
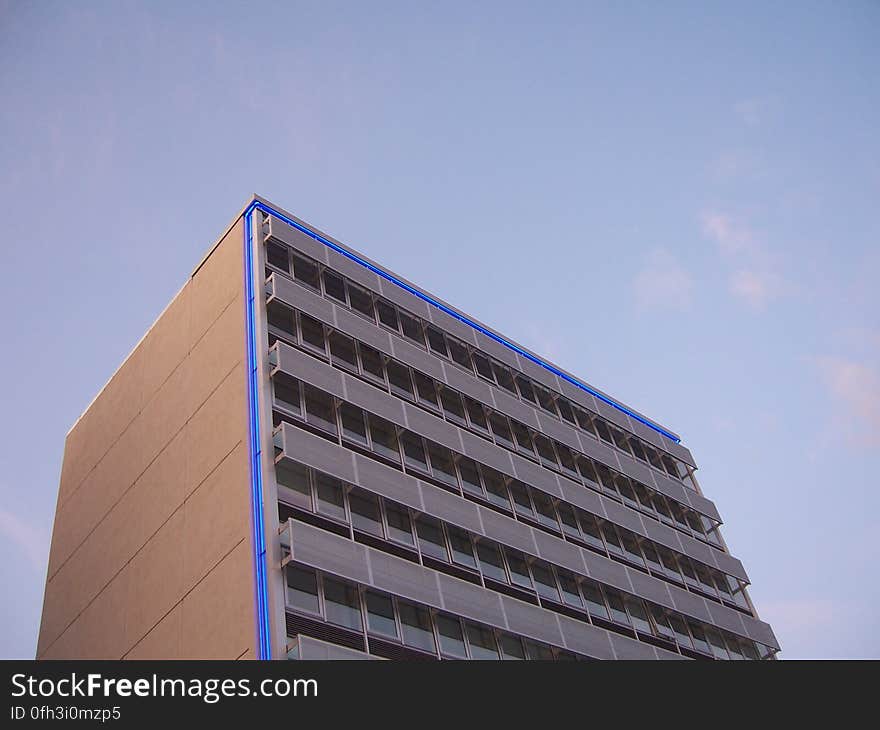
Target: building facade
308	456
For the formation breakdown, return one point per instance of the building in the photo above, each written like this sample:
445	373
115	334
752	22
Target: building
308	456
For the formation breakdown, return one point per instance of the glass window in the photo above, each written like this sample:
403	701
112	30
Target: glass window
705	579
545	583
412	328
545	399
342	351
671	469
690	577
319	409
387	315
653	559
399	378
384	437
590	530
296	478
442	465
380	614
286	391
451	639
637	449
431	540
525	389
588	472
425	390
476	414
568	518
699	636
312	333
276	255
625	490
523	438
661	623
605	478
459	353
733	647
361	301
631	548
491	564
602	430
470	476
371	362
483	366
619	439
414	452
415	622
495	489
716	643
565	411
500	430
568	584
481	641
302	589
661	508
330	492
353	425
342	605
538	652
585	420
654	458
566	460
611	538
399	524
306	271
436	341
511	647
668	561
281	317
521	501
544	508
679	628
519	569
545	451
638	614
503	377
462	549
452	407
334	286
365	514
595	601
618	609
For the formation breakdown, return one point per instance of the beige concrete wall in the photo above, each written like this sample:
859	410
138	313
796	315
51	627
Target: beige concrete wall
151	551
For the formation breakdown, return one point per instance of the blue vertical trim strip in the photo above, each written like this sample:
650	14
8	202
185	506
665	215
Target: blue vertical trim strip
259	532
465	320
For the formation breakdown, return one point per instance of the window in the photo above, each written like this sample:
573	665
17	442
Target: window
452	407
523	438
503	377
361	302
545	451
637	449
544	508
525	389
431	541
545	399
286	391
481	641
631	548
667	559
565	411
568	584
306	272
470	476
483	366
342	605
539	652
690	577
500	430
491	564
521	502
331	499
653	559
519	569
495	489
302	589
365	512
319	409
654	458
545	583
603	431
414	452
476	414
671	468
276	255
566	460
451	639
399	378
679	629
661	623
436	341
618	609
638	615
353	426
281	317
511	647
412	329
415	622
716	643
459	353
595	601
425	390
625	490
619	439
399	524
584	420
699	636
611	539
442	465
387	315
312	333
605	478
371	363
384	437
334	286
588	472
568	518
462	550
295	477
705	578
661	508
342	352
590	531
380	615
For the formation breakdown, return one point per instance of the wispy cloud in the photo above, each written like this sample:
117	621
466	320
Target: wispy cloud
663	281
33	541
732	236
855	386
756	288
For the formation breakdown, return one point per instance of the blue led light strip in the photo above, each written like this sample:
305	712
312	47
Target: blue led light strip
259	532
461	318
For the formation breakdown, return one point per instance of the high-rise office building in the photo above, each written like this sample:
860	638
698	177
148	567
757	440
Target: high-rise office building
307	456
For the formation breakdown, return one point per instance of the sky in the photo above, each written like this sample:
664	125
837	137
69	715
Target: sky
675	201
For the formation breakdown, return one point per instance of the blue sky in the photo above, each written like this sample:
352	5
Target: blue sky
677	202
